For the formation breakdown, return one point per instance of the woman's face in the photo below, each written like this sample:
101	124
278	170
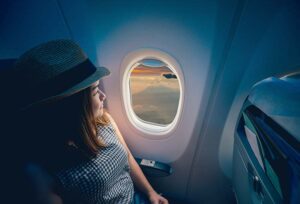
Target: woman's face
97	99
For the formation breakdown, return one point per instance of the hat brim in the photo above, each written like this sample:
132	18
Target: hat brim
98	74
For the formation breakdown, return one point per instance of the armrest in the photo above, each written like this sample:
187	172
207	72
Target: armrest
154	168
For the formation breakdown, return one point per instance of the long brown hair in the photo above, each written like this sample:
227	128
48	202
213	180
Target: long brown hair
46	129
89	138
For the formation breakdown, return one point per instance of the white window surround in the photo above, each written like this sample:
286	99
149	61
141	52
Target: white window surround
146	128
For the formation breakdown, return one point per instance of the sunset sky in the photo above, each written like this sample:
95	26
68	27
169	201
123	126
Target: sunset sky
154	91
142	70
143	77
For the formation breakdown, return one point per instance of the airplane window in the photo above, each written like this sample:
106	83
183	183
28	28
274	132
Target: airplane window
154	92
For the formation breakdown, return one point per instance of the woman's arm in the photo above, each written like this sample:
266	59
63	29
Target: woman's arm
136	173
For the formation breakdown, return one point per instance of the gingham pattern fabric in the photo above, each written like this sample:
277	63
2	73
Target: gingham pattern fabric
103	179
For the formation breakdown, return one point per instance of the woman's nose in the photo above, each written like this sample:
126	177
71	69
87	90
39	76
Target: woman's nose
102	96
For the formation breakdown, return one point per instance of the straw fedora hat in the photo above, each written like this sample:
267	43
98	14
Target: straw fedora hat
54	70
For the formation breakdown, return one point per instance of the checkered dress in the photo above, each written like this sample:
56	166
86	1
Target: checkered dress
103	179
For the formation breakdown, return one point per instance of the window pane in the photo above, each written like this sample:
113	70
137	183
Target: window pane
155	92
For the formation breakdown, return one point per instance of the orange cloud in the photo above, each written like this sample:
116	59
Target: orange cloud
149	71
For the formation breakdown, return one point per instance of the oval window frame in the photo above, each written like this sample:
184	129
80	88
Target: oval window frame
148	128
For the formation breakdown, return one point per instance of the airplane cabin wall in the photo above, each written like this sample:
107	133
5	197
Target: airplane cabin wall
271	49
24	24
265	42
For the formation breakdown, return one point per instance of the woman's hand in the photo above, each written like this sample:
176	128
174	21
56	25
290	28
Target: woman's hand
155	198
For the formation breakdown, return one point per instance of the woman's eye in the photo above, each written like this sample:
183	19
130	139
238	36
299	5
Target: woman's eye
97	92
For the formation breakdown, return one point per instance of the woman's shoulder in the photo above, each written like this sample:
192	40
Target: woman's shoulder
105	122
108	116
111	120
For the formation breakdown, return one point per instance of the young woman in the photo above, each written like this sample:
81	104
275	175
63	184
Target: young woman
64	127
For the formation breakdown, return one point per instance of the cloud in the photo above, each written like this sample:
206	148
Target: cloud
142	70
144	108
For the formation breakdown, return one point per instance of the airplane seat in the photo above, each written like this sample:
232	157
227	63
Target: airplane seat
5	102
5	81
5	66
266	158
